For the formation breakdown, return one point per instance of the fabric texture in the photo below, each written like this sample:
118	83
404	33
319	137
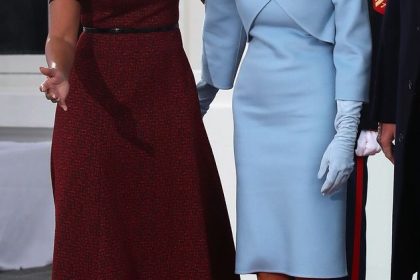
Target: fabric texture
357	188
397	100
284	105
338	157
136	189
206	95
279	194
357	185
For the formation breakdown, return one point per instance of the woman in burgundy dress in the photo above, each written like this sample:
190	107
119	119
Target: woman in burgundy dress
136	189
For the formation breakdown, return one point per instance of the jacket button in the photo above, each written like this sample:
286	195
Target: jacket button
410	85
400	138
418	28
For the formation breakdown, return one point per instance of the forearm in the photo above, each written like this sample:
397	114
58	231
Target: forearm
348	118
60	54
64	22
224	40
338	158
386	84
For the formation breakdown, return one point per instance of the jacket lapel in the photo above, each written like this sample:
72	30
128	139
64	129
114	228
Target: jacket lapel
249	10
315	18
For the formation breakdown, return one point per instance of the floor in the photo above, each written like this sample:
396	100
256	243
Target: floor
42	273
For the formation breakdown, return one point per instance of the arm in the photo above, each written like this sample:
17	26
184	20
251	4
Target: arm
64	18
367	121
387	79
386	136
224	42
367	145
338	158
388	65
352	58
352	50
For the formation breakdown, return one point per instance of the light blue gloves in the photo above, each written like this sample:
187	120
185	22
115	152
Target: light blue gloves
206	95
338	159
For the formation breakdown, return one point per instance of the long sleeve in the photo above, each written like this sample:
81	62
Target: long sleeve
368	120
352	50
224	40
386	86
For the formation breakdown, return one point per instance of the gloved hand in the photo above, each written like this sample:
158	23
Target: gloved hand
338	158
206	95
367	145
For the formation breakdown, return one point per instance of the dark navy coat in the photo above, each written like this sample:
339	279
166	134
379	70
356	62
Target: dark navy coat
397	100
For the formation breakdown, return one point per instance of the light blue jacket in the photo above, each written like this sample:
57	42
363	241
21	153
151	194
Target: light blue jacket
344	23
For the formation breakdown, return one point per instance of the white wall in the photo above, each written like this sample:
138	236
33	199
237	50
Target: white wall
192	15
21	105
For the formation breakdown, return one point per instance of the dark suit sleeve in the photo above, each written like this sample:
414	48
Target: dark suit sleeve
367	120
386	84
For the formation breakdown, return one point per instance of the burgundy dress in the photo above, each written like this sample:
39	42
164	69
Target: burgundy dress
136	188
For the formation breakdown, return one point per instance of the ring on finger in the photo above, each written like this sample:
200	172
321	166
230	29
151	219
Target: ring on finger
49	97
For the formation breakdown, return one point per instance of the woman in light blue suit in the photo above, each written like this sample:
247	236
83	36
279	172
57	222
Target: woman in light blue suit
296	105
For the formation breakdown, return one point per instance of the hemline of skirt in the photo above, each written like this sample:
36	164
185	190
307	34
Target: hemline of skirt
289	273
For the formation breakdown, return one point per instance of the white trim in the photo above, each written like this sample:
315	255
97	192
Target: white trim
21	63
21	103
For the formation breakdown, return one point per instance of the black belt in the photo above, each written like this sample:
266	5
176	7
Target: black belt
130	30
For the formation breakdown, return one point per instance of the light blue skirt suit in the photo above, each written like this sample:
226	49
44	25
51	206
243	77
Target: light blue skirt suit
302	56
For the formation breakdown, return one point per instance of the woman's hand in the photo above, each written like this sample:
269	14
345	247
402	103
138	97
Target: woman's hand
206	95
64	23
338	163
367	145
338	159
56	86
